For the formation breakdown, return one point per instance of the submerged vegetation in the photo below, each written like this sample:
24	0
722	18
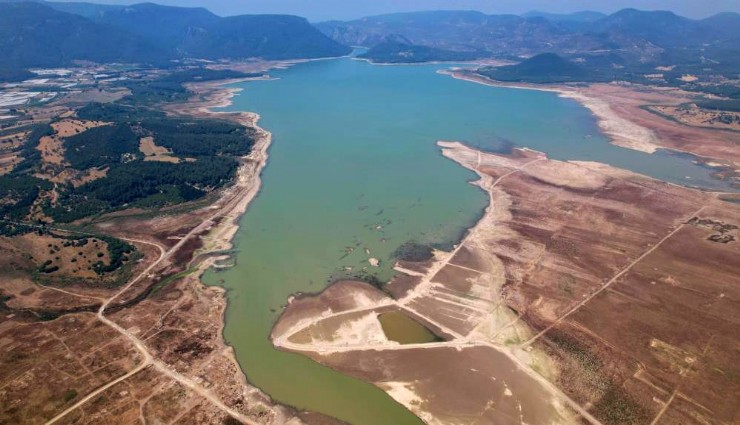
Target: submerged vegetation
414	252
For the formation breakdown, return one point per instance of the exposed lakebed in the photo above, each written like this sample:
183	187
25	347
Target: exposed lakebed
354	173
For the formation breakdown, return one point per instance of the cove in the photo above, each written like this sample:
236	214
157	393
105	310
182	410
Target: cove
353	166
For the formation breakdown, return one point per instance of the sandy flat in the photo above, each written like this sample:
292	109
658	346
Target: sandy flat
621	113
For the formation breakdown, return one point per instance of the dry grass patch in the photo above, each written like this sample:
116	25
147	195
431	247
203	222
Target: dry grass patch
71	127
52	148
699	117
89	175
9	145
8	161
75	177
106	95
14	140
52	151
48	366
152	152
54	166
60	257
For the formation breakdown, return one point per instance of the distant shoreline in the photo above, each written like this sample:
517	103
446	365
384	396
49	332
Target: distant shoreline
481	62
621	132
622	115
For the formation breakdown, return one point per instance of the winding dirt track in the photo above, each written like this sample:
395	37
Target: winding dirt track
244	192
149	360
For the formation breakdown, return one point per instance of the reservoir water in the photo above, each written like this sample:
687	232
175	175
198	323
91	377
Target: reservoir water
354	167
401	328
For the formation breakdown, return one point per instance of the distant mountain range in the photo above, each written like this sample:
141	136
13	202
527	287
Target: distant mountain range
48	34
34	35
584	16
627	38
599	47
397	49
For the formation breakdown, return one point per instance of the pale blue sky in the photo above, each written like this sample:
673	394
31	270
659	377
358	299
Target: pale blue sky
320	10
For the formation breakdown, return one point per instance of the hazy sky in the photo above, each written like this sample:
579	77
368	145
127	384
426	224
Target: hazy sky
319	10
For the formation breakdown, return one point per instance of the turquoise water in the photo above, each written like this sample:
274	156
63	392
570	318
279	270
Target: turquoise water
354	165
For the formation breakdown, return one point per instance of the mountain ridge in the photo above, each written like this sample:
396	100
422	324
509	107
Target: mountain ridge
33	35
639	40
43	34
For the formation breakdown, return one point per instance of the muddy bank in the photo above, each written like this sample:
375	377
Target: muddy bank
440	381
581	244
340	325
217	223
233	203
623	115
534	284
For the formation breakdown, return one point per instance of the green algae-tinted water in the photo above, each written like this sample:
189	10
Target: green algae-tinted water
401	328
354	166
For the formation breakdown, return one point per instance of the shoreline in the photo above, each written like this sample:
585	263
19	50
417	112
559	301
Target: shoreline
620	131
281	331
481	62
510	337
219	239
237	197
248	182
632	133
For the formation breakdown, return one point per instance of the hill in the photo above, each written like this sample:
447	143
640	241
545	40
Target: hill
502	35
274	37
643	40
198	33
661	28
584	16
41	34
399	50
546	67
34	35
162	25
13	74
87	10
458	31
